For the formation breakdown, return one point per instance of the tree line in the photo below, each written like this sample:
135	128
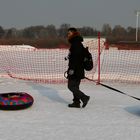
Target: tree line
50	36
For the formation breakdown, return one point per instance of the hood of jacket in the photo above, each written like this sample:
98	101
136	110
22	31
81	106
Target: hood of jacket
76	37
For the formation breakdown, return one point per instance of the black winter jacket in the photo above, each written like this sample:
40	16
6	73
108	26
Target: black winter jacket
76	57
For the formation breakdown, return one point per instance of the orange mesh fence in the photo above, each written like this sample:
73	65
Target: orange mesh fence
48	65
120	65
40	65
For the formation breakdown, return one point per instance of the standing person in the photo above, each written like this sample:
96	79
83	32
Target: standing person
75	68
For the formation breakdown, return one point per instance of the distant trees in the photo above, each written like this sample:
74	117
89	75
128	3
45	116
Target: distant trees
49	33
106	30
88	31
2	32
62	31
119	33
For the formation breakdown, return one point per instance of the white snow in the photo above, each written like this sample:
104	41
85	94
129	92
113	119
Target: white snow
18	47
108	116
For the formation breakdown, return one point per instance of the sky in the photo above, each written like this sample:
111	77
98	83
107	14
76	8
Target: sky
94	13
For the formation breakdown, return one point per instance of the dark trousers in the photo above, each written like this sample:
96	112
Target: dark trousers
73	86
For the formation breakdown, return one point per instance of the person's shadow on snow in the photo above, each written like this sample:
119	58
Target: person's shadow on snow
135	110
50	93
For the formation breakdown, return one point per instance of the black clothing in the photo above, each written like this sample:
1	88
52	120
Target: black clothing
73	86
74	104
76	58
76	71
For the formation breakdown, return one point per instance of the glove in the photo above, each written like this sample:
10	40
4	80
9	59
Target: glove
70	72
66	58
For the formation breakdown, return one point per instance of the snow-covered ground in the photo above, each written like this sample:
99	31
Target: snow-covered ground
108	115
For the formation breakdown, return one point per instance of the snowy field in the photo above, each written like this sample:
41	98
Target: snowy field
108	116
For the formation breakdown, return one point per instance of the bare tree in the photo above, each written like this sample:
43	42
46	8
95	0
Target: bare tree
62	32
106	30
2	32
51	30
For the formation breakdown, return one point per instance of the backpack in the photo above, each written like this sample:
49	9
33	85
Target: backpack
88	62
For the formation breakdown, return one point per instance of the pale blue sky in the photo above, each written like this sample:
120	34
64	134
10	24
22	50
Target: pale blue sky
79	13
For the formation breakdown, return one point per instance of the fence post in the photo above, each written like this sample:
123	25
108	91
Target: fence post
99	49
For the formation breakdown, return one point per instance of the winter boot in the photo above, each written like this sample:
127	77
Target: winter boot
74	104
85	100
